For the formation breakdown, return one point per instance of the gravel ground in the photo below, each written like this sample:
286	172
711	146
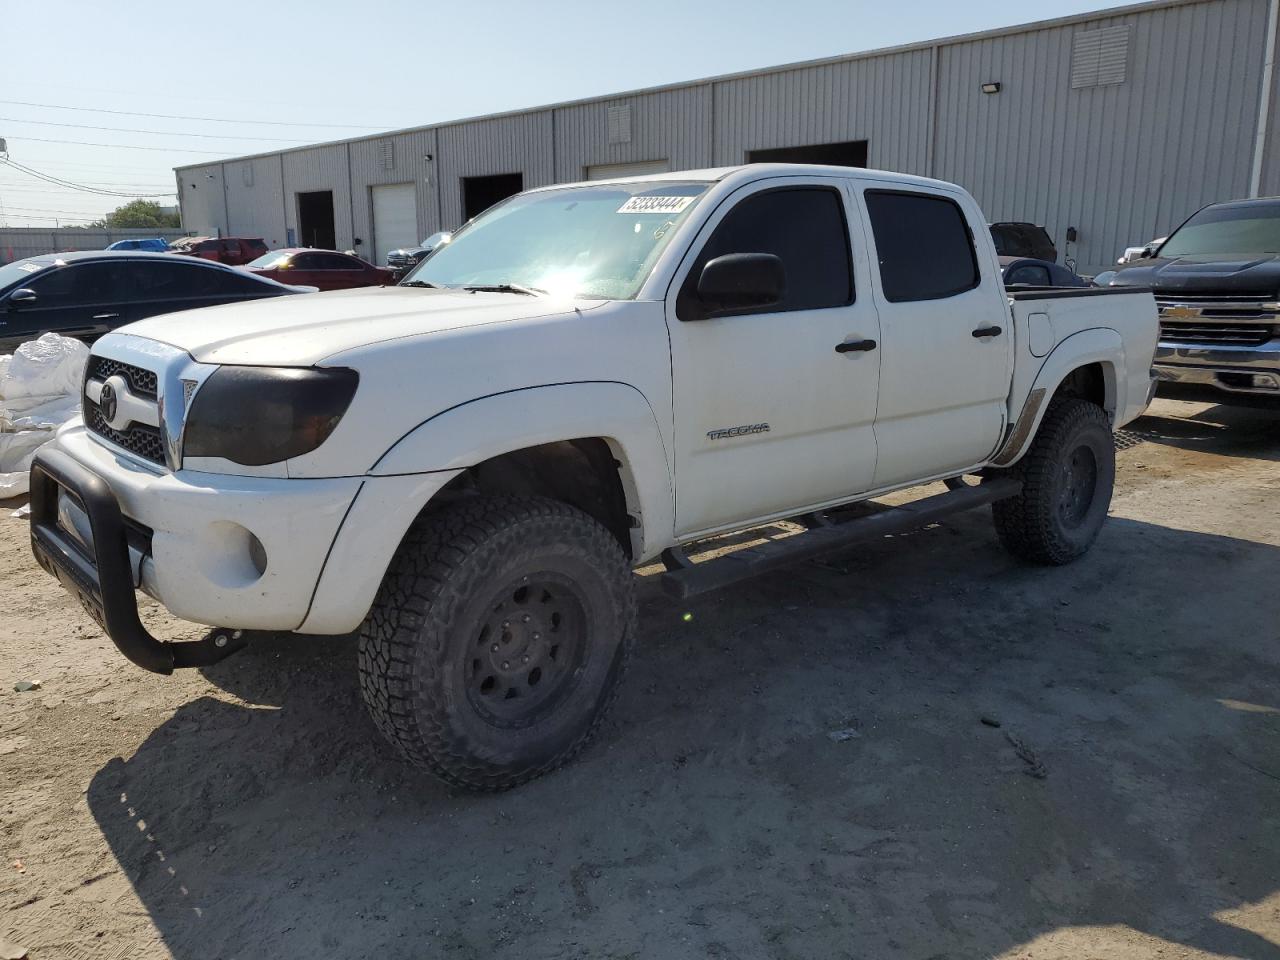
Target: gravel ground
1071	763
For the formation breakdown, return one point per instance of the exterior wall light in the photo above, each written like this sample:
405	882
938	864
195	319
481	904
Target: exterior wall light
991	86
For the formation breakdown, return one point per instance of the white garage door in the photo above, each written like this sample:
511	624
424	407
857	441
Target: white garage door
608	171
395	219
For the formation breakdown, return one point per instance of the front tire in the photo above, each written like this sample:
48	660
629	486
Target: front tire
497	639
1067	480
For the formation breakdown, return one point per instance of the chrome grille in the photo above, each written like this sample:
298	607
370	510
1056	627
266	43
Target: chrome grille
1226	334
142	382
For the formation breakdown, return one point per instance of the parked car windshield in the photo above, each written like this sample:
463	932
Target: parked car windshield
268	260
598	242
1245	229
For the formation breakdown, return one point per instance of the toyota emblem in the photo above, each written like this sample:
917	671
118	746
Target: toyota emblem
107	402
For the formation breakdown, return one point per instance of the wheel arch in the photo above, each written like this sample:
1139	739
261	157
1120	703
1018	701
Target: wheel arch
1085	365
539	439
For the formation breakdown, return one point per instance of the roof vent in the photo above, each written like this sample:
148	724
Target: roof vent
246	174
387	154
620	123
1099	58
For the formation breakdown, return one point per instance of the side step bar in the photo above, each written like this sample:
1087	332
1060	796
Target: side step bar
689	579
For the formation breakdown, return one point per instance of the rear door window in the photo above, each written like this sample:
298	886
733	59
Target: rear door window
80	284
805	228
923	246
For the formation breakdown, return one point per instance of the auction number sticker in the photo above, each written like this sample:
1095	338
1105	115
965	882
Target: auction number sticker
655	204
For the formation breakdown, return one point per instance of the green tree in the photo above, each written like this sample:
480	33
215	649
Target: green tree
140	213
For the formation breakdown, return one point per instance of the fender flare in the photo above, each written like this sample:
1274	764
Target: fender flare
1099	345
486	427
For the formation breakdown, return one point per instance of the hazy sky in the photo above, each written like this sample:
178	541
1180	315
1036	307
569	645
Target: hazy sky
347	69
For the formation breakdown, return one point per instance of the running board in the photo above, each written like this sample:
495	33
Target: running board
685	578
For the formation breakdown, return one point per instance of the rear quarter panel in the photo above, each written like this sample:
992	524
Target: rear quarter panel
1059	331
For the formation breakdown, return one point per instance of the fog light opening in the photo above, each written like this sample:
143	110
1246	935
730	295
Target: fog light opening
257	554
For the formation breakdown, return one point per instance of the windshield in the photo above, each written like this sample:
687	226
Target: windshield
12	273
598	242
268	260
1246	229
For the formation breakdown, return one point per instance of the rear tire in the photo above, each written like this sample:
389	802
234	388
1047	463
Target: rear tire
497	639
1067	480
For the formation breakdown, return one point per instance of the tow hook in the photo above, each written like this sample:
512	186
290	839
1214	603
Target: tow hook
218	644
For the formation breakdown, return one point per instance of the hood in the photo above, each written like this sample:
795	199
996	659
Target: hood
302	331
1233	275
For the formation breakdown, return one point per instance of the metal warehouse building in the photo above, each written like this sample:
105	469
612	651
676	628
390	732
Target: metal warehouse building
1117	124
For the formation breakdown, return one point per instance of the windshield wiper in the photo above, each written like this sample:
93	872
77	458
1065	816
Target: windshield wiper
417	283
503	288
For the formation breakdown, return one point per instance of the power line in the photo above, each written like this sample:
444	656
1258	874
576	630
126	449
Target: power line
121	146
162	133
171	116
69	214
8	189
58	181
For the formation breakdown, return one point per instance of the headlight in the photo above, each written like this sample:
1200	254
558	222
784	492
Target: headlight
260	415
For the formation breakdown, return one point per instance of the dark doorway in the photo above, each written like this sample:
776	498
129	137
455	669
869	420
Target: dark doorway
851	153
481	193
315	220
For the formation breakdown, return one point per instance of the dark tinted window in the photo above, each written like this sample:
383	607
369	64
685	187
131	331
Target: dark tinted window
802	226
332	261
1028	273
85	283
306	261
155	280
923	245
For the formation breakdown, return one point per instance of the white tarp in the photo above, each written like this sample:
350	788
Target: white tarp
39	391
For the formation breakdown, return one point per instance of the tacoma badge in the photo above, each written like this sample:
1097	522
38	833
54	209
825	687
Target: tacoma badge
725	433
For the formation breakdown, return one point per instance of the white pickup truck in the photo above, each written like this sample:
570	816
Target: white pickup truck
467	467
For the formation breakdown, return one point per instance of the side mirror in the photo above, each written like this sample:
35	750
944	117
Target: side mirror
741	281
22	297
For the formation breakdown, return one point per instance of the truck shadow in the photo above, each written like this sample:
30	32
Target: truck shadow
718	816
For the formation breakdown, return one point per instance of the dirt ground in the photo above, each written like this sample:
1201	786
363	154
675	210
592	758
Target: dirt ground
252	811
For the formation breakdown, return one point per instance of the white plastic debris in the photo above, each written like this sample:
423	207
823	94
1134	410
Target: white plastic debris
39	391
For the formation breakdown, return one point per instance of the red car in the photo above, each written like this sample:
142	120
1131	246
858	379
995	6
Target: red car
325	269
233	251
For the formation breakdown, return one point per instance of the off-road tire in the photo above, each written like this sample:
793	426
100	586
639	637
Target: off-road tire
1073	452
424	645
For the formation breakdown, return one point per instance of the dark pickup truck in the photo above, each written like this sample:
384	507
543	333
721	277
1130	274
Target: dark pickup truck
1216	281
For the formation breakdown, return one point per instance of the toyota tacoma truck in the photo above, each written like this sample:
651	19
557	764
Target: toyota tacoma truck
468	467
1216	280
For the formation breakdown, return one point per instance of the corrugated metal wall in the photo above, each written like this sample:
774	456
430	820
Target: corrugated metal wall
201	198
883	100
1120	161
521	144
397	159
254	199
1123	162
671	125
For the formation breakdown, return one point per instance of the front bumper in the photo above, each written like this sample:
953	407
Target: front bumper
102	578
1242	370
242	553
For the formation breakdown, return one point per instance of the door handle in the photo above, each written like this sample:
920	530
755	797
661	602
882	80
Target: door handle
105	316
855	346
988	332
